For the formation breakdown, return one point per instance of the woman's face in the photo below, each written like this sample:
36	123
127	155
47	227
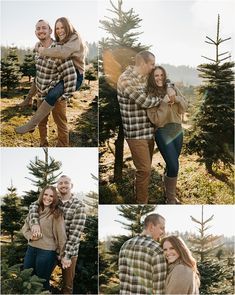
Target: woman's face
48	197
169	252
159	77
60	31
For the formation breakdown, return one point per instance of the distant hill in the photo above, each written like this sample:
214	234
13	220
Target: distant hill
185	74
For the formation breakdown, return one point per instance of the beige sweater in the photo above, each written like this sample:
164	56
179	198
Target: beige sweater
53	232
165	113
72	48
181	279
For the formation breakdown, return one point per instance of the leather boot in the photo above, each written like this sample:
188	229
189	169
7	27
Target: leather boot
28	101
40	114
170	190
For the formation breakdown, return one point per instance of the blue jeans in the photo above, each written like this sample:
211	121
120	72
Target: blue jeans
42	262
58	90
169	140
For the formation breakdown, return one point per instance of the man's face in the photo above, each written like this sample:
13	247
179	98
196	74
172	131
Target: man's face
42	31
64	185
158	230
149	66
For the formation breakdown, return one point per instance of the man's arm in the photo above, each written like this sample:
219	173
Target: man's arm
136	92
34	219
69	76
76	227
159	273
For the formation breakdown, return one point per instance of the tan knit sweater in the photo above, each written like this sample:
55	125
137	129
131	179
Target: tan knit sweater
181	279
166	113
72	48
53	232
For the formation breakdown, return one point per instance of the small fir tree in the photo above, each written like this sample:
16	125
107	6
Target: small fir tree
10	70
28	68
212	136
11	213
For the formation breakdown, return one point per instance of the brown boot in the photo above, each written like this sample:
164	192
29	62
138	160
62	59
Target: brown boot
28	101
170	190
40	114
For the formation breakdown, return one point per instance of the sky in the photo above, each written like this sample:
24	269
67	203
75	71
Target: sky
18	19
176	29
78	163
177	218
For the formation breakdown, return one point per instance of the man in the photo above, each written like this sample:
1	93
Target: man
142	265
49	73
138	130
74	216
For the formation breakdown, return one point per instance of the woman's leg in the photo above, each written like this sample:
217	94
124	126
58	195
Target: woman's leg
45	263
58	90
30	258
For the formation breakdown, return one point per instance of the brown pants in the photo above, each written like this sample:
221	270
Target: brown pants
68	277
142	153
60	118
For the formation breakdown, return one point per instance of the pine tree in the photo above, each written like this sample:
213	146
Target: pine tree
28	67
86	278
10	70
45	172
212	136
17	281
90	75
11	213
116	52
215	276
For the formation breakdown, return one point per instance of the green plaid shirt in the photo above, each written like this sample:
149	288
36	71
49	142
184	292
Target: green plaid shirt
51	71
142	267
74	217
133	102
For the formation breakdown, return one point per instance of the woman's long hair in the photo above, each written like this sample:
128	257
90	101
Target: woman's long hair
69	31
183	251
54	207
152	87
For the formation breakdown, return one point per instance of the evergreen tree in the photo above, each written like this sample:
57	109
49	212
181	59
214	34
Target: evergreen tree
215	276
28	67
86	278
11	213
45	172
10	70
116	52
205	243
90	75
16	281
212	136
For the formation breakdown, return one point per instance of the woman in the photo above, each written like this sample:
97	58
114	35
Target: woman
69	45
42	252
169	133
182	275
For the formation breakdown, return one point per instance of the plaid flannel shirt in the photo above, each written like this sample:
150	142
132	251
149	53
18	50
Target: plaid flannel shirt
133	101
74	217
142	267
50	71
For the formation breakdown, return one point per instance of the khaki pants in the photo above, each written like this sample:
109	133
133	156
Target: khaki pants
68	277
142	153
60	118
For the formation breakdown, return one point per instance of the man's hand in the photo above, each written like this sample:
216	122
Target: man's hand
66	263
36	231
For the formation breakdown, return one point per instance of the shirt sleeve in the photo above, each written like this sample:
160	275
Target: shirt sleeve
159	273
76	227
69	76
59	234
137	92
33	214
